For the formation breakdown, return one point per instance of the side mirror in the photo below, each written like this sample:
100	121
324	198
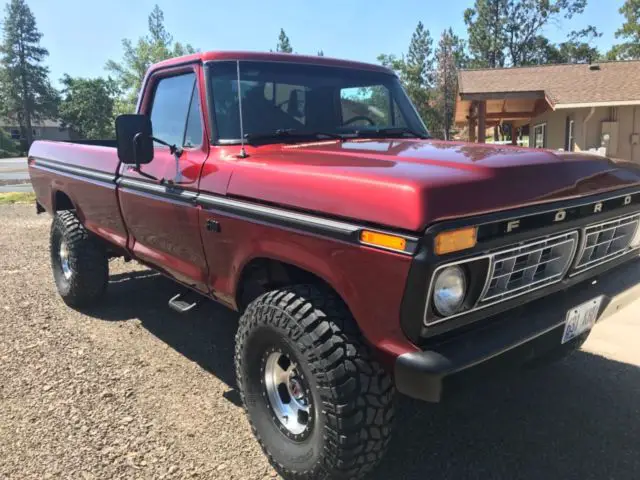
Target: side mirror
134	137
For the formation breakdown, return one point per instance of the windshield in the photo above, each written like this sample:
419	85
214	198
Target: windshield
293	97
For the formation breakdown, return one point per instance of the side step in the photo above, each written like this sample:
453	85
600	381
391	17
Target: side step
183	302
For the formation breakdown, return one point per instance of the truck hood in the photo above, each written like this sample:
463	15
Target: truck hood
409	184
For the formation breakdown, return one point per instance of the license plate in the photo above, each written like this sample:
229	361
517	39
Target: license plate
581	318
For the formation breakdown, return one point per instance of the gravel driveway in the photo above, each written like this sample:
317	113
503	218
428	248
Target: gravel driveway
134	390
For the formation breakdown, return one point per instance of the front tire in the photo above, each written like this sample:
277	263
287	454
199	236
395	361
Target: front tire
79	261
318	403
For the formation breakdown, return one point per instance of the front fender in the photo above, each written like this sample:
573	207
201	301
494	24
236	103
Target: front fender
370	281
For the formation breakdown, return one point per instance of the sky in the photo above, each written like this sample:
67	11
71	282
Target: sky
81	35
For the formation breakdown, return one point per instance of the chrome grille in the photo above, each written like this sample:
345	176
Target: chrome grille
527	267
605	241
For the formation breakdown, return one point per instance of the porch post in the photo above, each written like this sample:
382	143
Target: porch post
482	121
472	123
514	134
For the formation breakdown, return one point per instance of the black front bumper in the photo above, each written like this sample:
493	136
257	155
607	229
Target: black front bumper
517	335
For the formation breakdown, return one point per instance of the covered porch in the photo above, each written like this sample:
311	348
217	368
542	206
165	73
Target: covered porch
480	111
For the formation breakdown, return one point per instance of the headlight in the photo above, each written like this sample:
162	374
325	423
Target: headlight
636	239
449	290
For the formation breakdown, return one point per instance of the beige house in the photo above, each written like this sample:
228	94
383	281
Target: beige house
42	130
565	107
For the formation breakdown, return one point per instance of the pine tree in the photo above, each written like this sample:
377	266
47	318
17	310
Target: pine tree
284	45
415	70
509	32
25	91
486	23
158	45
630	31
418	74
449	57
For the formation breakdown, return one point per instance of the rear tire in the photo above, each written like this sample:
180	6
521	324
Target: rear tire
79	261
345	395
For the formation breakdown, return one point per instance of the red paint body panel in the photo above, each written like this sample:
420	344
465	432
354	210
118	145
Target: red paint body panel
398	184
267	56
408	184
353	271
95	201
167	235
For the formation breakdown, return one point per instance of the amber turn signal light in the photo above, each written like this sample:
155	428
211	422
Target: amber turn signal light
383	240
456	240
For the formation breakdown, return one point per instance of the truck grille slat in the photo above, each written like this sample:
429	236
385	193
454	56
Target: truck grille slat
527	267
605	241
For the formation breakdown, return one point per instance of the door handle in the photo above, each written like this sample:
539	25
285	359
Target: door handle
213	226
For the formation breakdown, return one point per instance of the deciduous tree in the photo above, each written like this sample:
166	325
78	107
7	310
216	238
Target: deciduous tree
87	106
578	49
25	91
156	46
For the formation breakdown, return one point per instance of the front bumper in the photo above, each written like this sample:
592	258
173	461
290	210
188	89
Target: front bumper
518	335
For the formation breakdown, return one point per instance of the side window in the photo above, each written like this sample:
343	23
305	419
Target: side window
365	106
171	106
193	132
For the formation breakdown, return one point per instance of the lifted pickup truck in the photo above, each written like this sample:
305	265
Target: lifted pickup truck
365	258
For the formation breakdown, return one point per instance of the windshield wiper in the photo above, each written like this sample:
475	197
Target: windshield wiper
391	132
291	134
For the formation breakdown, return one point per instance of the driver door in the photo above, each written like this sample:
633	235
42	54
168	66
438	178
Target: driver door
162	220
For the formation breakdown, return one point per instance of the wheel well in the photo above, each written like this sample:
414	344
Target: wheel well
263	274
61	201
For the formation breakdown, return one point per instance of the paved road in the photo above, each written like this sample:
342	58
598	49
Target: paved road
131	389
14	176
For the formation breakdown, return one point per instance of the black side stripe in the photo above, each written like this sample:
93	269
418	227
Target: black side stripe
164	191
270	215
74	170
280	216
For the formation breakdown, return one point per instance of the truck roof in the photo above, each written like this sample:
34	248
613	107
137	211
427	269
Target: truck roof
268	56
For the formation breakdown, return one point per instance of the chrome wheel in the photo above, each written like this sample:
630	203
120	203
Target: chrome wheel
64	260
288	394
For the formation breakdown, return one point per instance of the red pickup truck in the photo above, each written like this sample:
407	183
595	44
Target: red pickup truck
364	257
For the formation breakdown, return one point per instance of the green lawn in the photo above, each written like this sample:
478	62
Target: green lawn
17	197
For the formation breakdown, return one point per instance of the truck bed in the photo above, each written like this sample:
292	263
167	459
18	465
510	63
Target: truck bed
86	172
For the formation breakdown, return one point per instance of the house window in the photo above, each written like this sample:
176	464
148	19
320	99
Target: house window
540	136
569	139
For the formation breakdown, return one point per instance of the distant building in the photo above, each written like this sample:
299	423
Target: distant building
42	130
564	107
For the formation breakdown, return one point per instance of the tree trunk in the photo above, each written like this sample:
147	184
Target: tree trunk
26	107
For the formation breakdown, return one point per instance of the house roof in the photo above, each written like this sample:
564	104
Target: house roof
563	86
